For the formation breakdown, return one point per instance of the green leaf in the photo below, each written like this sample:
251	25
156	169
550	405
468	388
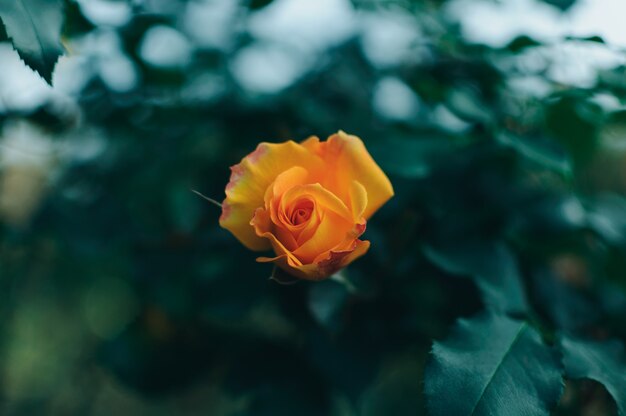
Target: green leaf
412	157
34	27
259	4
567	306
562	5
574	122
467	104
395	391
3	33
327	300
606	215
492	365
595	39
522	42
603	362
539	153
490	264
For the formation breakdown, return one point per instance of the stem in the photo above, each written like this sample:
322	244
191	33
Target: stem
211	200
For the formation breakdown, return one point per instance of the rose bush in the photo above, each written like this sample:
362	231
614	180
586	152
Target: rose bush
308	201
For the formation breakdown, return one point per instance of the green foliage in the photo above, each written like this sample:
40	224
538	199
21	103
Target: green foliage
492	266
34	28
258	4
580	134
599	361
561	4
492	365
120	293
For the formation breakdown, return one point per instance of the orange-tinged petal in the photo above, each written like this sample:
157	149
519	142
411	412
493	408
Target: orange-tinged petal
334	261
358	200
312	143
292	177
249	181
340	259
309	229
322	197
288	179
261	222
332	230
347	160
262	226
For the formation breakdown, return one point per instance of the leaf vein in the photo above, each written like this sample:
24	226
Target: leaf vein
506	353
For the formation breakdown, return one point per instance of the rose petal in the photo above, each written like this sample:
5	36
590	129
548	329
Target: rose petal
340	259
347	160
288	179
261	223
250	179
331	232
358	200
334	261
322	197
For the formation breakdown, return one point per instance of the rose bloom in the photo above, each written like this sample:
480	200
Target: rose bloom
307	201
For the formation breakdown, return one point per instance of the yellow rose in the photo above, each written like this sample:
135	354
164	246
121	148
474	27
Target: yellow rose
308	201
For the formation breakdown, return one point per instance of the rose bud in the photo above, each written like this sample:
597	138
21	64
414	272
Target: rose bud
308	201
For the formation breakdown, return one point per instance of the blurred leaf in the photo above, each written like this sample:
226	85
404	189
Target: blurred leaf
547	222
606	215
412	157
467	105
613	131
490	264
3	34
396	390
596	39
563	5
155	356
566	306
326	302
259	4
574	122
277	380
522	42
613	79
34	27
75	22
539	152
603	362
492	365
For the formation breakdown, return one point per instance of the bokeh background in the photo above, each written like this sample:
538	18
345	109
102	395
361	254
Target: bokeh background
501	125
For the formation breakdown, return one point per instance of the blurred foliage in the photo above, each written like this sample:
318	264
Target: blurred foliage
34	28
121	294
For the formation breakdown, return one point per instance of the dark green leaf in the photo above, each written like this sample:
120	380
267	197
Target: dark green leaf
539	152
490	264
259	4
3	33
412	157
34	27
395	390
562	5
603	362
567	306
466	104
492	365
574	121
596	39
327	300
613	79
522	42
606	215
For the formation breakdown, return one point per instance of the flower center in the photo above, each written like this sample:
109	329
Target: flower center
301	212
